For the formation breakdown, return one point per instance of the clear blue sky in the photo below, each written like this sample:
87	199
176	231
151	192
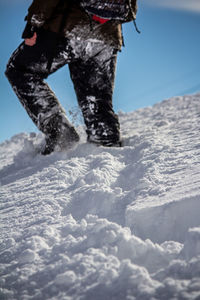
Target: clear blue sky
161	62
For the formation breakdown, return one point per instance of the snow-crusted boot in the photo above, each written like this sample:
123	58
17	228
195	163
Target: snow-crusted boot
102	124
60	135
105	136
105	143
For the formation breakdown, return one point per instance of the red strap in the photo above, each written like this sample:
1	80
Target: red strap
98	19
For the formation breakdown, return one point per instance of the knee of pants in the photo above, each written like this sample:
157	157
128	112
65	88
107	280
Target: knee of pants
10	72
14	75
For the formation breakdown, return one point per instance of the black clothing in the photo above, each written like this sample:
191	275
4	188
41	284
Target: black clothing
92	69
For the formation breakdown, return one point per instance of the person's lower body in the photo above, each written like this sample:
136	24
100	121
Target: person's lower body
93	78
93	82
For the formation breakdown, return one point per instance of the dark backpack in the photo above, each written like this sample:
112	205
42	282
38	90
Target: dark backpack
119	10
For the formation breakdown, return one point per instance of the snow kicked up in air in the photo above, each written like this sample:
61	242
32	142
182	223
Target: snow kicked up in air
105	223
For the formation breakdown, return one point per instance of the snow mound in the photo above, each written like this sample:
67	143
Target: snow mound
105	223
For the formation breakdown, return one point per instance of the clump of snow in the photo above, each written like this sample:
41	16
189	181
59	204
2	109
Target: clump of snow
105	223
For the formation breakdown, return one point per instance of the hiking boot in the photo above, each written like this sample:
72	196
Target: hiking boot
60	143
105	143
61	135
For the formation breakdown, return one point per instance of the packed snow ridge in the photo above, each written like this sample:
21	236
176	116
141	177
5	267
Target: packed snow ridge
95	223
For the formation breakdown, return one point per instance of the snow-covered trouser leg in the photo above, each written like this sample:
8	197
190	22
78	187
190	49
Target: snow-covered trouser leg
93	82
26	71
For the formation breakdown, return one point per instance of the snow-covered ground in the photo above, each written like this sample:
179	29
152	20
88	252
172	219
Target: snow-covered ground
99	223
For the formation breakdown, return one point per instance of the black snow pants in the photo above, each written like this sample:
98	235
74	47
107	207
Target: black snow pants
92	69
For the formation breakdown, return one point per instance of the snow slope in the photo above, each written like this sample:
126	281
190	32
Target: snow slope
105	223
